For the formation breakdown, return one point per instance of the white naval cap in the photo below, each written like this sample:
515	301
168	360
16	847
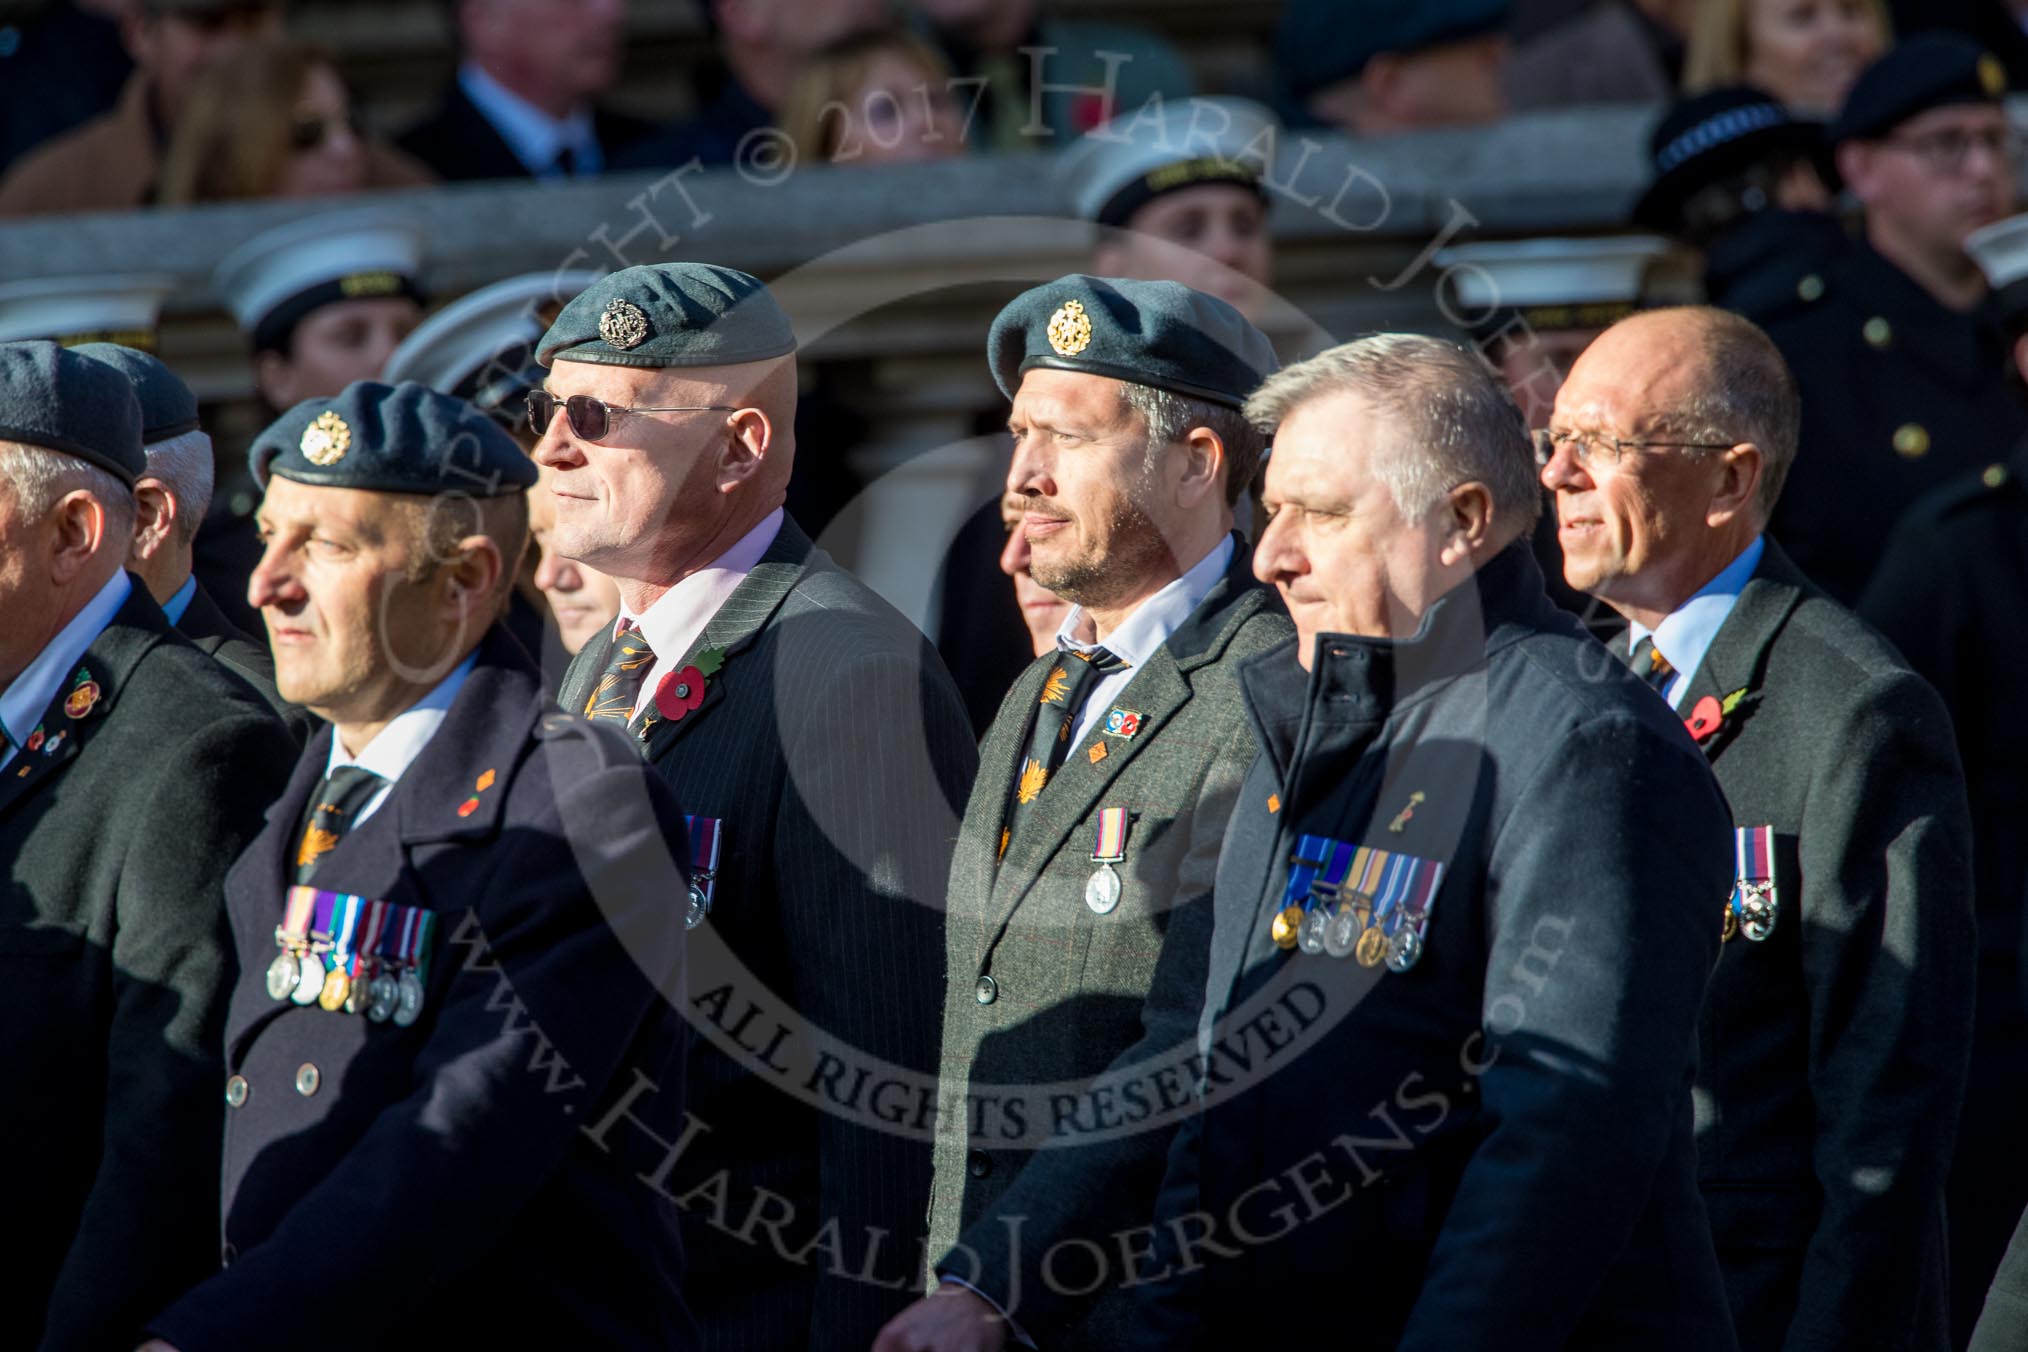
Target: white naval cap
115	308
276	278
481	347
2001	251
1115	170
1551	283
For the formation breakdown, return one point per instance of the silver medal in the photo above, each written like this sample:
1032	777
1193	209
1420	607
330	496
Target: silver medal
1310	934
282	975
1757	916
699	908
1405	951
309	979
382	995
1341	933
408	1005
1102	890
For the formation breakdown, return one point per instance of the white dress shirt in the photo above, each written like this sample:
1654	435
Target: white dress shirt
395	747
29	694
1144	630
1685	634
679	615
534	136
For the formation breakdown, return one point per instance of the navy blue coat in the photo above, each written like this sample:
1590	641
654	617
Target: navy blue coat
1492	1148
435	1185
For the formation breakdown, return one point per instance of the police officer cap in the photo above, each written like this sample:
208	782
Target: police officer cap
168	408
670	314
1323	42
1139	156
1710	137
404	438
53	398
1921	72
1148	333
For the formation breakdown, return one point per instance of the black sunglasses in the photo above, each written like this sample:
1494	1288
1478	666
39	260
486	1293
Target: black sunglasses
591	419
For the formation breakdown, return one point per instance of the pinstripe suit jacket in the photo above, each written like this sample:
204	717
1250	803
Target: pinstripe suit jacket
833	748
1072	992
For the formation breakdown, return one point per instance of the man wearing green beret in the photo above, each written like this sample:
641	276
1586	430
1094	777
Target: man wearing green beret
823	751
1080	897
132	769
453	935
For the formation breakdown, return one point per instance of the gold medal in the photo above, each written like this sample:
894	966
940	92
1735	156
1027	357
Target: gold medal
336	986
1731	926
1288	921
1372	950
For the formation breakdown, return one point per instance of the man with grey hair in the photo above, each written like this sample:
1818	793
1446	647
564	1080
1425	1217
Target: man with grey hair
132	772
1463	923
171	498
1834	1042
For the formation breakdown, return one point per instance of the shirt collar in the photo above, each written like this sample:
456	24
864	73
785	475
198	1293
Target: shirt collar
679	615
31	692
176	605
396	746
1161	615
533	135
1685	634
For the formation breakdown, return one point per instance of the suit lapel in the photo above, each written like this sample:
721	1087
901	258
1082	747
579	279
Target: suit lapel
978	857
1736	660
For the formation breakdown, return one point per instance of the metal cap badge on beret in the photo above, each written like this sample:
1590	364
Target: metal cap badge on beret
1321	42
168	408
1923	71
53	398
481	346
670	314
1148	333
403	438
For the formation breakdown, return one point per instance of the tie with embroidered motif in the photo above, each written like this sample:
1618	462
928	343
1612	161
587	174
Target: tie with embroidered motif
333	808
612	699
1063	694
1650	665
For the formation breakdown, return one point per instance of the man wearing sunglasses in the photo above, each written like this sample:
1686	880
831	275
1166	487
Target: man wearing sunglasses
1902	365
1836	1030
824	755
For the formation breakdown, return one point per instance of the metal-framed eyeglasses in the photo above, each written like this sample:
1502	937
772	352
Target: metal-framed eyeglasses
1945	152
1591	450
592	419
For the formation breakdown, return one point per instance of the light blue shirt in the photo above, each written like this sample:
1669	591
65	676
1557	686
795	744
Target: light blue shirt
1685	634
1142	632
180	602
534	136
397	745
30	693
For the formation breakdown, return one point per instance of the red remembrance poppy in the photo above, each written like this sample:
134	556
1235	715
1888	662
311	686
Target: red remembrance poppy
679	692
1705	718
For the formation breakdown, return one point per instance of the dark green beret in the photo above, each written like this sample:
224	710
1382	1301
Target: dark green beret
168	408
1323	42
670	314
1923	71
53	398
404	438
1149	333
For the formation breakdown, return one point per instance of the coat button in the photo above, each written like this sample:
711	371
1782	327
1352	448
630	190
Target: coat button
308	1077
1911	441
1877	332
987	991
235	1091
1811	287
978	1164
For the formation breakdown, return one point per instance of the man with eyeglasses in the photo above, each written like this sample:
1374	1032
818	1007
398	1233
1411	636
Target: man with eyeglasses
825	757
1834	1038
1902	368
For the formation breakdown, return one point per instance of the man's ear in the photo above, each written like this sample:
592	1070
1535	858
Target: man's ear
1204	463
749	436
1467	523
1738	484
80	521
474	572
155	510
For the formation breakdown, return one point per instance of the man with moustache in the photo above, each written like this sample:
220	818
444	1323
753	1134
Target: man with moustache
1081	892
456	936
819	742
1463	924
1833	1043
1901	361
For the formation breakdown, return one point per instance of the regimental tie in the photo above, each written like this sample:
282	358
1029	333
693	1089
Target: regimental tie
619	688
1063	694
1650	665
333	809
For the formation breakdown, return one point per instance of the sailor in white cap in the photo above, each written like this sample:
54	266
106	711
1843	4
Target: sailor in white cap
324	301
117	308
1177	193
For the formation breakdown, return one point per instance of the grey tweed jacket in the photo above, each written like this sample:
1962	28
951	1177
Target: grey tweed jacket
834	750
1044	994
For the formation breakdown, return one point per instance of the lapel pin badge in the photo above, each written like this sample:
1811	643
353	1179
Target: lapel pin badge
1122	723
1402	818
80	701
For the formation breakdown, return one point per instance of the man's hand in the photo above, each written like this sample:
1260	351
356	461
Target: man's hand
953	1319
